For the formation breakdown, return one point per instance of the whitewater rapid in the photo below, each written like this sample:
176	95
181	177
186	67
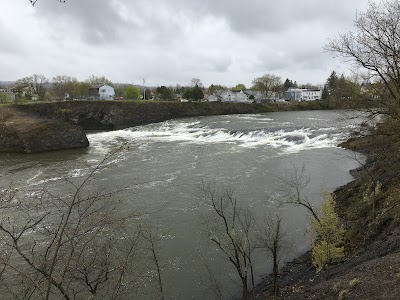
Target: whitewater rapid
284	135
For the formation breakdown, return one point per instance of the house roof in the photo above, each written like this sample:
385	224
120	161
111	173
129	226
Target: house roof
97	86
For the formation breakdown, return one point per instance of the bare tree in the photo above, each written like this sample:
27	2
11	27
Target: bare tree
98	80
231	230
374	47
37	84
326	231
63	86
268	85
293	186
74	246
152	239
196	82
211	281
271	235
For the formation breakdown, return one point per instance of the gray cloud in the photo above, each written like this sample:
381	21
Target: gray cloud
172	41
11	44
100	21
95	21
256	16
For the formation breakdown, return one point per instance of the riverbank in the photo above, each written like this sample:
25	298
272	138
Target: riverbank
115	115
369	207
26	133
372	273
42	127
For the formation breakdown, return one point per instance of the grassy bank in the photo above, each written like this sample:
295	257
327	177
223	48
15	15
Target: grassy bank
371	203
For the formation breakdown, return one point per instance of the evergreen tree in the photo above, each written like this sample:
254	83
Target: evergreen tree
216	87
165	93
325	93
197	93
332	81
287	84
194	93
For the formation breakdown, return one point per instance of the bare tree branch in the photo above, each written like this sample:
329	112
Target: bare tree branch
231	231
75	246
33	2
293	186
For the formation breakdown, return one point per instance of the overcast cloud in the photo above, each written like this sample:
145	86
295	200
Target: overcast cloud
169	42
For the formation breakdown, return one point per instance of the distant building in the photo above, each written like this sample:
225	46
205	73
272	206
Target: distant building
270	96
311	95
242	97
101	92
254	96
295	94
262	97
212	98
230	96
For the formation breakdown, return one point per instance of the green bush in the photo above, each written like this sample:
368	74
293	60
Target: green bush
63	113
329	236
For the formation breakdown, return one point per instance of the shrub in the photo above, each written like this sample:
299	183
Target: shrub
329	236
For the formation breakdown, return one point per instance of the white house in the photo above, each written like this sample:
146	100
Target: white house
229	96
262	97
254	96
311	95
101	92
242	97
212	98
303	94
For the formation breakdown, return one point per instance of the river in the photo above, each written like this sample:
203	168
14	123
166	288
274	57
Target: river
167	162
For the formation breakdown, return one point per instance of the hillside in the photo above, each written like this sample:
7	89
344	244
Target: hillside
369	208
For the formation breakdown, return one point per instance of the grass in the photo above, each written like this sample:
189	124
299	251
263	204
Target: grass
354	282
342	294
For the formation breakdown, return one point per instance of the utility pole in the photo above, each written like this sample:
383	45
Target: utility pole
144	90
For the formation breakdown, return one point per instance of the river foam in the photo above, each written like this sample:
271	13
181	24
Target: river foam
289	139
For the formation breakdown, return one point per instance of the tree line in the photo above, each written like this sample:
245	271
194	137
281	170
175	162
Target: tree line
338	91
64	87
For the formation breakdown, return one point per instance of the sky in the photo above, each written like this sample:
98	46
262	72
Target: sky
169	42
